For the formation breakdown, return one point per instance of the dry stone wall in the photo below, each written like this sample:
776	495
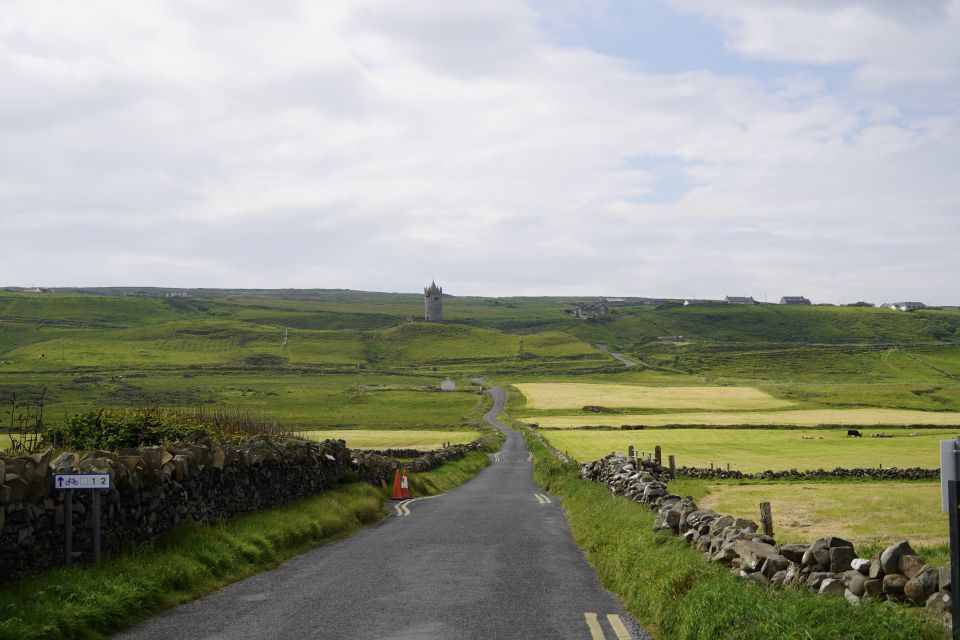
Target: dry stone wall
829	566
154	489
891	473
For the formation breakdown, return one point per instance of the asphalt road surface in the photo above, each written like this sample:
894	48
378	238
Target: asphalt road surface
492	559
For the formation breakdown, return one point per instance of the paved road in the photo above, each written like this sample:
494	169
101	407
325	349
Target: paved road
492	559
630	364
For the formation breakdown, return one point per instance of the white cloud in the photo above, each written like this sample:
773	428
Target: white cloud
360	145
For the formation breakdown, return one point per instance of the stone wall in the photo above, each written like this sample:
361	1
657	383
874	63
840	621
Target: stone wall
829	566
892	473
378	467
154	490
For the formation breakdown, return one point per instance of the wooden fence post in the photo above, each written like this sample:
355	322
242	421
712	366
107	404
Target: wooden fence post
630	453
657	457
766	518
673	467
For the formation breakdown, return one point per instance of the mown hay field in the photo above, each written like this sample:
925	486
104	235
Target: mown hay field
865	513
753	450
388	439
566	395
798	418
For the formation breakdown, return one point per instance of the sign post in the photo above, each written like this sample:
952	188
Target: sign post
68	483
949	465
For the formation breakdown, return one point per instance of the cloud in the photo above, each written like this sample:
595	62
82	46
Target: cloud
354	144
891	44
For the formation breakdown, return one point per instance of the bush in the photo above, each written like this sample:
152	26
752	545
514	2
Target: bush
114	429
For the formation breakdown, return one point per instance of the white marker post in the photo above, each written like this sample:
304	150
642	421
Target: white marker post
949	464
68	483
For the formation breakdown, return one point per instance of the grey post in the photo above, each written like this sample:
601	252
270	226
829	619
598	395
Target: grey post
673	466
630	452
658	458
766	518
67	527
953	497
96	526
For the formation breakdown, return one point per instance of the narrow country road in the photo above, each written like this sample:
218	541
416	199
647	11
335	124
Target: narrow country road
493	559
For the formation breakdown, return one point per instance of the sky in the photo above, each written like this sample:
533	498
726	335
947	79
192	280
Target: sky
687	148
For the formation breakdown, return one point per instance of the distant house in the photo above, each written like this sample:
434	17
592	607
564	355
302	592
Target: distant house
613	302
693	301
670	339
794	300
905	306
740	300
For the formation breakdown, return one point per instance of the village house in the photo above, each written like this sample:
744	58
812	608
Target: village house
904	306
794	300
740	300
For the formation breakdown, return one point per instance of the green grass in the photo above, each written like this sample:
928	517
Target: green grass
193	560
760	449
787	418
632	326
301	400
866	513
393	439
671	589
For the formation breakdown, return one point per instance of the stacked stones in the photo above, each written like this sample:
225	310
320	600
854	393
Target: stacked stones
153	490
829	566
913	473
378	467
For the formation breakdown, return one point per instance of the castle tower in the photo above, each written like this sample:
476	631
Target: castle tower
433	303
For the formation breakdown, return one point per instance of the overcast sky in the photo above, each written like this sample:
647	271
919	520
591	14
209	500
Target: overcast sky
662	147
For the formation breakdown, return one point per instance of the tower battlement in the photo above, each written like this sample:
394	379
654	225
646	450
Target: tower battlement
433	303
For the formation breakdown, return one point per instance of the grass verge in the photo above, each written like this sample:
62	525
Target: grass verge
194	560
669	588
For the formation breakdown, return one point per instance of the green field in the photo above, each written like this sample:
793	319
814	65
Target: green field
866	513
752	450
393	439
801	418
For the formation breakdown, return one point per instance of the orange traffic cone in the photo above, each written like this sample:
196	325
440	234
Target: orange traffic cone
397	494
404	486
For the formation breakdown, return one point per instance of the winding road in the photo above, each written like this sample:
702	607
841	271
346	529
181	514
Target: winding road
493	559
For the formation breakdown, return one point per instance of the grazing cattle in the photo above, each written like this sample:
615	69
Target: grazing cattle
853	433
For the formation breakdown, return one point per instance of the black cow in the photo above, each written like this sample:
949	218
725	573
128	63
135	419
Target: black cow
853	433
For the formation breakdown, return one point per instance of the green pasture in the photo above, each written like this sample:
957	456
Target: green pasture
307	401
866	513
798	418
393	439
629	327
751	450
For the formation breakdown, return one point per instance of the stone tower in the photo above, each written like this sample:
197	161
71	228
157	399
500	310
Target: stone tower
433	303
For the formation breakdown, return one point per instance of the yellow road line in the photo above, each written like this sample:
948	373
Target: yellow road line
596	633
618	627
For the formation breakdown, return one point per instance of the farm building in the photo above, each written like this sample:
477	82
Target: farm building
693	301
741	300
794	300
905	306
